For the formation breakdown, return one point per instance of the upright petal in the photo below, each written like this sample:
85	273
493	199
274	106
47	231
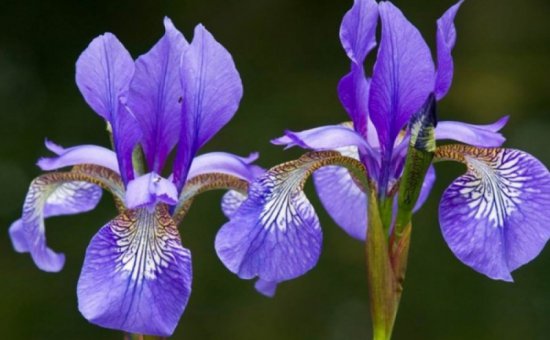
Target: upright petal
358	30
342	197
212	92
80	154
353	92
403	75
156	95
103	74
136	275
477	135
446	38
50	196
496	217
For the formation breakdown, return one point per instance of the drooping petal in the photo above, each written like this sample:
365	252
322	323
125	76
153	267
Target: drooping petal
477	135
496	217
446	38
149	190
358	30
403	75
275	234
48	195
342	197
227	163
266	288
155	96
212	92
136	275
231	201
103	74
329	137
80	154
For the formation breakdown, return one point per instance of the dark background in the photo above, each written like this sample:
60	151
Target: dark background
290	61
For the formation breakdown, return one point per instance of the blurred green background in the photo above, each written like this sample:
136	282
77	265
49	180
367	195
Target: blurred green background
290	60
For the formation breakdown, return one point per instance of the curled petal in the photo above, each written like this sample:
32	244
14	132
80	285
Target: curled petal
403	75
226	163
136	275
477	135
212	92
155	96
342	197
150	189
49	195
446	38
81	154
323	138
496	217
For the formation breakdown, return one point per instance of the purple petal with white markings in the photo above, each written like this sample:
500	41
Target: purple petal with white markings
136	275
446	38
496	217
47	197
403	75
477	135
275	234
358	30
342	198
156	94
212	92
80	154
231	201
150	189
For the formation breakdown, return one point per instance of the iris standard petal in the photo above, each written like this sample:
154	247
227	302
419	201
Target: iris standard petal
103	74
49	197
212	92
275	234
496	217
353	92
155	96
426	189
80	154
329	137
227	163
342	197
477	135
445	39
403	75
358	30
150	189
136	275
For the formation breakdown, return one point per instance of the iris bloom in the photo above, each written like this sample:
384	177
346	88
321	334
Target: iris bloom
495	217
137	275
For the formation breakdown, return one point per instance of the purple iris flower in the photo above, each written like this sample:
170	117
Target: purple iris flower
495	218
137	275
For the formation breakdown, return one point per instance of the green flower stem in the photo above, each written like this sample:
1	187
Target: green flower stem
384	286
130	336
